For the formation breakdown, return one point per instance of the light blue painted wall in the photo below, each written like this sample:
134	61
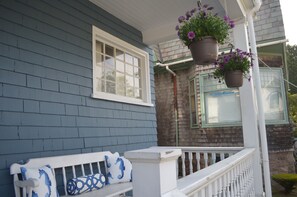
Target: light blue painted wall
46	83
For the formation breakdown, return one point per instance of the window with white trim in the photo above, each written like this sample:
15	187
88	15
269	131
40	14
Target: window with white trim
273	94
220	106
120	70
193	103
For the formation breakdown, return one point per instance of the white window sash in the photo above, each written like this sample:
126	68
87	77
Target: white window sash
111	40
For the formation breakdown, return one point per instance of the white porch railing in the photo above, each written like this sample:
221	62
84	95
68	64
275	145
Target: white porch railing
156	167
196	158
231	177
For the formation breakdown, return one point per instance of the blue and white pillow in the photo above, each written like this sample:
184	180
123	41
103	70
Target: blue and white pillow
84	184
47	182
119	169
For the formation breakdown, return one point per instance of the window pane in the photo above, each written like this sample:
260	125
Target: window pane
193	109
137	93
129	69
120	66
120	84
192	87
128	58
110	75
222	107
109	50
120	54
100	85
137	72
272	94
194	118
99	47
137	83
99	59
129	91
110	87
99	71
109	62
129	81
136	61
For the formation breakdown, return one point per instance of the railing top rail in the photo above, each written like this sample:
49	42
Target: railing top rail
202	149
203	177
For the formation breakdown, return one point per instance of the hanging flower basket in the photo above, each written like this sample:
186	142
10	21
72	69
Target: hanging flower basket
234	79
204	51
202	30
232	67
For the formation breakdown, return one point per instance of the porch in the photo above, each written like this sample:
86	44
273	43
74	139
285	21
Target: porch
49	106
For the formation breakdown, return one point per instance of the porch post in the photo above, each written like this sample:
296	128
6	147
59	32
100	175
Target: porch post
154	171
248	110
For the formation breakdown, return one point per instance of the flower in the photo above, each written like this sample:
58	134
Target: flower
234	60
181	19
191	35
202	22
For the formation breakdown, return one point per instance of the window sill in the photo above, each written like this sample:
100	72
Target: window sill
116	98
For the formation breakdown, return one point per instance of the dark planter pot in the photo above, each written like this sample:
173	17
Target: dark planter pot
204	51
234	79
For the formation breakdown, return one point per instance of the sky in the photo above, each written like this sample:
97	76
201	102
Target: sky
289	11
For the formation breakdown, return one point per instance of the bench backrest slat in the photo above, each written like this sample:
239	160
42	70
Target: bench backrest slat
64	179
91	168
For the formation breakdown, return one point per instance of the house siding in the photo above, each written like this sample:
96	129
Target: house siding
46	106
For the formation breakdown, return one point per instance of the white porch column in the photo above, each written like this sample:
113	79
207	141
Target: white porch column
248	109
154	171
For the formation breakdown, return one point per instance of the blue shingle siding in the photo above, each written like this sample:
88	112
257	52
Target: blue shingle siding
46	106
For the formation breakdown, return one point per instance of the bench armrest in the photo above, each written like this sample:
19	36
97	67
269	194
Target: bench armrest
27	183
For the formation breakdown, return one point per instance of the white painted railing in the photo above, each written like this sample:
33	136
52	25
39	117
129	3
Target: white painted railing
229	178
197	158
156	167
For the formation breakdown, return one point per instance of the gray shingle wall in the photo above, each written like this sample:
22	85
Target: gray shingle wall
269	22
46	82
268	27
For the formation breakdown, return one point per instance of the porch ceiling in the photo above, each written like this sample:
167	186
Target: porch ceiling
156	19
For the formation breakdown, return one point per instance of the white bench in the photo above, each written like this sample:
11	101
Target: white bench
66	167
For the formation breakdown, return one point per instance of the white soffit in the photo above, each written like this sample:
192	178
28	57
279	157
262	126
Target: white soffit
156	19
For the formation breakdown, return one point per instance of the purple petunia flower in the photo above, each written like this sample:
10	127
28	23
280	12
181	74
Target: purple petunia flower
181	19
193	11
231	23
226	18
188	15
176	27
191	35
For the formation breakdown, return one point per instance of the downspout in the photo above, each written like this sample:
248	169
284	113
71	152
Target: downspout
256	78
286	67
174	100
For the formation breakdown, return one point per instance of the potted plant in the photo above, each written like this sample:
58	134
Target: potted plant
233	66
202	31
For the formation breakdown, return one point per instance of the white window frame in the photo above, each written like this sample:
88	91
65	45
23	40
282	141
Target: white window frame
284	98
203	105
195	104
102	36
